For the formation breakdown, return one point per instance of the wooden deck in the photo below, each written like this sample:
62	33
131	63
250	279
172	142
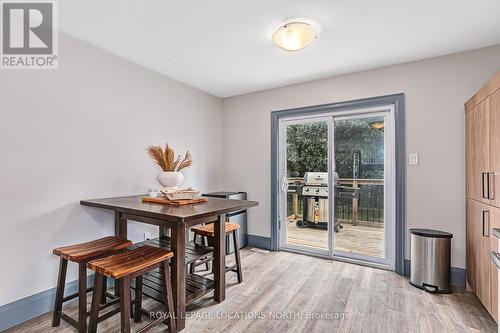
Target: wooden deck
359	239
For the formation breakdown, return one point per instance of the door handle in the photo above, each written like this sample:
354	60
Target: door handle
486	223
491	185
284	184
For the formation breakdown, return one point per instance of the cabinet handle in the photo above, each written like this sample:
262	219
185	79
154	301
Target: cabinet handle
484	181
486	185
486	223
491	185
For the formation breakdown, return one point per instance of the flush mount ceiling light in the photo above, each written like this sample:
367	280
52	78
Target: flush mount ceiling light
293	36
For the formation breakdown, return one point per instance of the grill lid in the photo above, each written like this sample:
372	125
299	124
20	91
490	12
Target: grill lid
318	178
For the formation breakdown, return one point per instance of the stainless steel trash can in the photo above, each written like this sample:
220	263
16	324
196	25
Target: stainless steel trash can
430	258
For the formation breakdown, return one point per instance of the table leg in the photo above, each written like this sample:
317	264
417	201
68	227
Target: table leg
162	231
120	226
220	259
121	232
178	244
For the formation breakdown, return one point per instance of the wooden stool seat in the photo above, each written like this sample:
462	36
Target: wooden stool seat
130	262
208	229
127	265
91	250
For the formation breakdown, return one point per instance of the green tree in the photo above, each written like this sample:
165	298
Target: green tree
359	151
357	146
355	141
307	148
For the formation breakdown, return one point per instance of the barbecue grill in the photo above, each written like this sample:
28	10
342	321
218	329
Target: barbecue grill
315	199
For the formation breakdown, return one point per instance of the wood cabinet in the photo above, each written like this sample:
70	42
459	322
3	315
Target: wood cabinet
471	188
494	223
478	120
479	252
482	185
470	245
495	147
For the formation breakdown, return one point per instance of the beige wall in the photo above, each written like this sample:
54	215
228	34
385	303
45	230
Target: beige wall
80	132
435	91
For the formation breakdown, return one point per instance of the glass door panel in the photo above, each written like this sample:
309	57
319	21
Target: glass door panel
304	179
360	164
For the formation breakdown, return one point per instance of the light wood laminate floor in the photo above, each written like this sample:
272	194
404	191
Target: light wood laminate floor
360	299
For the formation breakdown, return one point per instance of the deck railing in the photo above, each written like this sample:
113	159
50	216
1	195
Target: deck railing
369	207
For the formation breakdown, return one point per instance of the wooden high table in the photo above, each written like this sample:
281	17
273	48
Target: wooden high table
178	219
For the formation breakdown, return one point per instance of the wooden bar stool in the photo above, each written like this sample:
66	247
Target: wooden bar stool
207	231
81	254
123	267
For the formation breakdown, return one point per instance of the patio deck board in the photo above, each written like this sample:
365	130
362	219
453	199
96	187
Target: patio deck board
359	239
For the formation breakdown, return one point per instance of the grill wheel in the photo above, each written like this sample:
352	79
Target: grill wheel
301	224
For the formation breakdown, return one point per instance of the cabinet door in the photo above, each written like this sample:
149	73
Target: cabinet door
471	246
495	148
470	156
494	223
483	261
478	151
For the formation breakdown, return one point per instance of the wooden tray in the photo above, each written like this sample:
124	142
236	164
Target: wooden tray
165	201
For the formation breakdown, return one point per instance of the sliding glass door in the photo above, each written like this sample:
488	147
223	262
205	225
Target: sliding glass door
336	181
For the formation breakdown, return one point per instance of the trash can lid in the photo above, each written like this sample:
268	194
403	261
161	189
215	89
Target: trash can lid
431	233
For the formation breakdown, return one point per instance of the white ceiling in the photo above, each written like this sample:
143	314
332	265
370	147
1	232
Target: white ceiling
224	47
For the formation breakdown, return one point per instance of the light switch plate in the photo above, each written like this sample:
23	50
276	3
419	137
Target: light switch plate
413	159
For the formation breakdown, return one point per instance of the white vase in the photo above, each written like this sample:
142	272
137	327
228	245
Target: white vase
170	179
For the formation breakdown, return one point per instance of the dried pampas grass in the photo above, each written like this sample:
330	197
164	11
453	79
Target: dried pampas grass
165	158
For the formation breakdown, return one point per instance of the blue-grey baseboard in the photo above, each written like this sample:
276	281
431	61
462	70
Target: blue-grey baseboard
19	311
457	276
259	241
